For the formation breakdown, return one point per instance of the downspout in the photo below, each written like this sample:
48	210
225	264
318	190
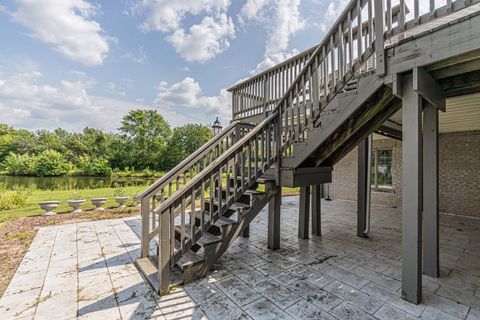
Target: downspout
369	193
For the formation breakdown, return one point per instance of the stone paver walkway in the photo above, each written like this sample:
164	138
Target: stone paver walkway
86	271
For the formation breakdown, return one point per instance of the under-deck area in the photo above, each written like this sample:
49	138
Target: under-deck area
87	271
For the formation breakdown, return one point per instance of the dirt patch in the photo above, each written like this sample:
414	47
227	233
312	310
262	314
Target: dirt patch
17	234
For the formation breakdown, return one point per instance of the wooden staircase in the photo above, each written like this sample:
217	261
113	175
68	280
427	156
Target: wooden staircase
308	112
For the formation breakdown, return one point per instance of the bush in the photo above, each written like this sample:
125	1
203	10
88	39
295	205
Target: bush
50	163
12	199
88	166
19	164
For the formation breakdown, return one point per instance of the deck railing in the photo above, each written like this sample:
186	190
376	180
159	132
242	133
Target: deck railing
258	95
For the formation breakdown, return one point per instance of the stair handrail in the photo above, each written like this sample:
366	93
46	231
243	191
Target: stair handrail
173	173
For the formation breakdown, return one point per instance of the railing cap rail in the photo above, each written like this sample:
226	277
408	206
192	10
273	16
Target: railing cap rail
275	67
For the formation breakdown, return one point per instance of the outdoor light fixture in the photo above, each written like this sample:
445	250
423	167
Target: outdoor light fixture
216	127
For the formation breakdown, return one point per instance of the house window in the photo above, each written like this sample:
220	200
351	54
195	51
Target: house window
381	169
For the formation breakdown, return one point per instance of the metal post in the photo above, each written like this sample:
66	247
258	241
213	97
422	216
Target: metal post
412	192
274	216
430	191
316	210
304	212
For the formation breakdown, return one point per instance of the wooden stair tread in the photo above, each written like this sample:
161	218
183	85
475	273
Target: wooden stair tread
189	259
253	192
149	269
208	239
239	206
222	221
266	178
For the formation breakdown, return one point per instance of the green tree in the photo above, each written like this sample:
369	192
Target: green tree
146	134
184	141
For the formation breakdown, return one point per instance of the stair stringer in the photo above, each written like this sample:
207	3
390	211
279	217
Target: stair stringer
230	234
335	114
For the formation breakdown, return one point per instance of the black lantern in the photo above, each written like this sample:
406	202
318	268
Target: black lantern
216	127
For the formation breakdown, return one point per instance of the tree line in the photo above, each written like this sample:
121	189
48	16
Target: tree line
144	141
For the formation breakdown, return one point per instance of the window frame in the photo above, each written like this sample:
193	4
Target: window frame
374	170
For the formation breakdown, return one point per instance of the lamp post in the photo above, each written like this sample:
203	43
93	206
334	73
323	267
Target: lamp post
216	127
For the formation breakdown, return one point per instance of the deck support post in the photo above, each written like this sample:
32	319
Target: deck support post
430	191
304	212
316	210
363	188
274	207
164	253
412	176
246	231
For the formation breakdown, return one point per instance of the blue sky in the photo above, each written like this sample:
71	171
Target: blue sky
77	63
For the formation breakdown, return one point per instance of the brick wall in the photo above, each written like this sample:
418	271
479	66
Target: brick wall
459	174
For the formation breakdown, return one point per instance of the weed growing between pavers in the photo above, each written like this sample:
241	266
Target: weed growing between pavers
321	260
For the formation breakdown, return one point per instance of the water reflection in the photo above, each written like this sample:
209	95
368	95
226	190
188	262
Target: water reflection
71	183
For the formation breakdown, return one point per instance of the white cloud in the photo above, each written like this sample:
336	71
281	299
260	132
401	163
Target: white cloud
140	57
26	102
281	18
200	42
272	60
67	25
167	15
253	10
185	98
204	41
287	22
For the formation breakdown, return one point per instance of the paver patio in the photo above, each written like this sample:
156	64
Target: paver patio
86	271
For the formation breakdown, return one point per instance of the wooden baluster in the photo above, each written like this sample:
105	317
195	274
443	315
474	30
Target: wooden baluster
171	214
249	164
212	196
350	39
432	7
370	24
256	157
145	210
182	224
389	15
263	152
202	207
332	63
227	177
359	30
325	73
220	191
242	168
401	17
304	102
341	63
192	215
416	10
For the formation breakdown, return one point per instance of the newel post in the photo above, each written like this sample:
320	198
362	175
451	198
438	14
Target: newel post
379	37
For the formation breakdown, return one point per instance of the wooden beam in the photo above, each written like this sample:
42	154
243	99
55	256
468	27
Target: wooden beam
425	86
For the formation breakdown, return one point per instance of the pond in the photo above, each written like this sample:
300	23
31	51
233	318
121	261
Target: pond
72	183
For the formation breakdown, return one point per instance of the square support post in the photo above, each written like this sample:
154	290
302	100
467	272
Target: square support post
304	212
246	232
430	191
316	210
412	176
363	188
274	207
